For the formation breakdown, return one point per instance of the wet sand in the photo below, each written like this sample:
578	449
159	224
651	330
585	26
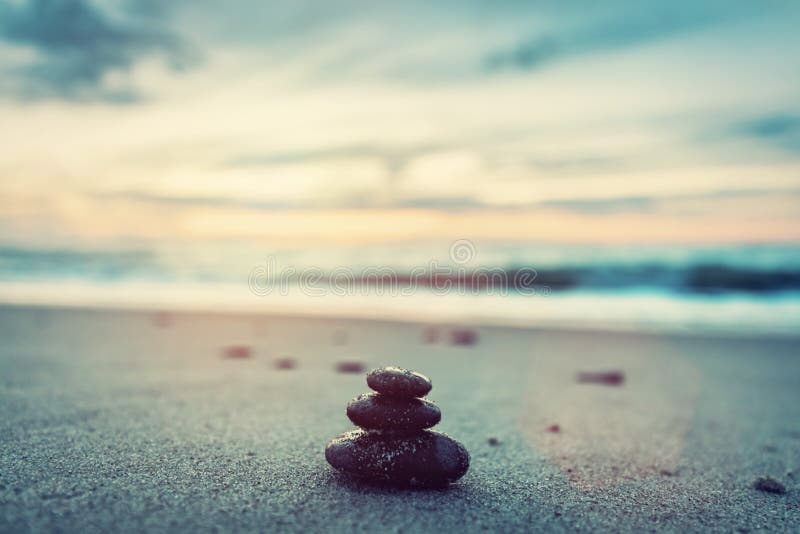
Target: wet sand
132	421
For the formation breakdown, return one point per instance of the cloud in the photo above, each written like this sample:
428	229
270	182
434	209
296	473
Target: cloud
646	203
305	156
443	203
77	46
782	129
641	204
603	205
618	30
394	159
177	201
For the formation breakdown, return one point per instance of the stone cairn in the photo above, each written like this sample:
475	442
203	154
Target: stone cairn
394	444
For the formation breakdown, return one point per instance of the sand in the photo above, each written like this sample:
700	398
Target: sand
134	421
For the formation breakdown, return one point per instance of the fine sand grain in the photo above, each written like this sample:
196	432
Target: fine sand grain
137	421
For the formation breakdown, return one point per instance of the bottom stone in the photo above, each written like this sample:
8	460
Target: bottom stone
425	458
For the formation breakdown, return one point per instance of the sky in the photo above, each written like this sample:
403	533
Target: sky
358	122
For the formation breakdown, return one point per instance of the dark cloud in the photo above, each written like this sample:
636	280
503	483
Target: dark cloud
456	202
305	156
645	203
150	8
441	203
176	201
775	126
395	159
77	45
364	151
618	30
782	129
603	205
355	201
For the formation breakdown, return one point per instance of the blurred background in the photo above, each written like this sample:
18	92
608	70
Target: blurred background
642	157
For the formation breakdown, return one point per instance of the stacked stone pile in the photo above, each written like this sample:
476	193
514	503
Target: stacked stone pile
394	444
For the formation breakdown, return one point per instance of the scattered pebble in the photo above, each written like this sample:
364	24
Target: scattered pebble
493	441
769	485
463	337
398	382
431	334
285	363
605	378
666	473
555	429
237	352
350	367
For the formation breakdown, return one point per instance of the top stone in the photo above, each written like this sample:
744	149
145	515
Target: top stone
397	382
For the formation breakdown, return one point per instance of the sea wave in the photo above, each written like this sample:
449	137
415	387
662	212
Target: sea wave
703	271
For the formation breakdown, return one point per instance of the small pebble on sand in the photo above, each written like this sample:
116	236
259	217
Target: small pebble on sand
555	429
430	334
285	363
769	485
237	352
463	337
605	378
350	367
493	441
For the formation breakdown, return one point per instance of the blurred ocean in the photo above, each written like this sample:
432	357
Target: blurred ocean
749	289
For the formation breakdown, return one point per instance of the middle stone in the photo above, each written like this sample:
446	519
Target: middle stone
373	411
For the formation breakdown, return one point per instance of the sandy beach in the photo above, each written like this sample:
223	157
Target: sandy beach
137	420
241	241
